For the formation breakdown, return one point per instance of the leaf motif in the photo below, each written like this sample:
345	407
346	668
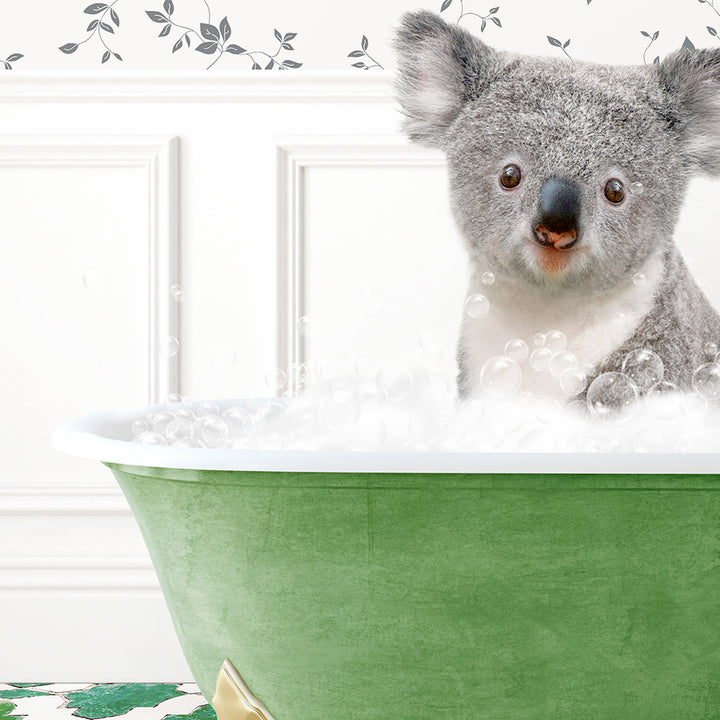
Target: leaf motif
169	7
210	32
165	31
117	56
688	44
446	5
270	65
554	42
156	16
291	64
566	44
356	53
114	17
656	61
483	25
656	35
256	66
646	34
235	49
187	39
225	29
712	31
287	46
496	21
14	57
358	64
95	8
493	10
289	36
8	66
278	36
107	28
93	24
364	44
106	56
207	47
177	45
68	48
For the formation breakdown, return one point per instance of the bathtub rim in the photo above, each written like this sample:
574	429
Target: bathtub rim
104	436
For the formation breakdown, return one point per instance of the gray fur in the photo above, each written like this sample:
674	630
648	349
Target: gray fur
657	124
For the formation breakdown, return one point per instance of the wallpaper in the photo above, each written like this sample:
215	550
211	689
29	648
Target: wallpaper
300	35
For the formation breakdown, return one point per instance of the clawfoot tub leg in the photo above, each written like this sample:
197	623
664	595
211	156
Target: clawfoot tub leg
233	700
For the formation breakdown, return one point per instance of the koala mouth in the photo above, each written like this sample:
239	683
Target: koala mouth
554	251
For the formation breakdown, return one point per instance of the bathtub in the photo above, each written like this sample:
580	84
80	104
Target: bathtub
360	586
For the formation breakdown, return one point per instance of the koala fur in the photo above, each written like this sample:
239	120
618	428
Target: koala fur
570	128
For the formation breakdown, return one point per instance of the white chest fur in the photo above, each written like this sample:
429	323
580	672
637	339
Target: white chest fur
594	326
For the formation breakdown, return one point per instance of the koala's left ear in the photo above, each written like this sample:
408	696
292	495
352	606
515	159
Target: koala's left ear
691	79
440	66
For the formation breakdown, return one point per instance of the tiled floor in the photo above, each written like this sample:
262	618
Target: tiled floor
130	701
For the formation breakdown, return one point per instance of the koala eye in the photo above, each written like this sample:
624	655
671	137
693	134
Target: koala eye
614	191
510	176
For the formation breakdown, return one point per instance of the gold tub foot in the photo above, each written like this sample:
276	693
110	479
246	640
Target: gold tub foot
233	700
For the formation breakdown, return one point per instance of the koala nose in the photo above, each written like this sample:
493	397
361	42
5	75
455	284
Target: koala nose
556	223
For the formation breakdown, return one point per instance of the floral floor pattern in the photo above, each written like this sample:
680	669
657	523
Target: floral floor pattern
130	701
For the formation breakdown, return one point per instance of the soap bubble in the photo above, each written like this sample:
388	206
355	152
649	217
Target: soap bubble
162	420
561	362
397	382
711	350
214	431
177	293
639	279
178	429
206	409
169	346
174	398
610	394
555	341
539	339
637	188
139	426
501	377
477	306
276	379
304	326
573	381
307	374
706	380
240	421
643	367
540	358
517	350
488	278
547	410
303	421
369	395
367	433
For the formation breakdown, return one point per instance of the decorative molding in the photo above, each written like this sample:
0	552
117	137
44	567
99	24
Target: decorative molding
158	157
87	573
248	86
62	502
294	157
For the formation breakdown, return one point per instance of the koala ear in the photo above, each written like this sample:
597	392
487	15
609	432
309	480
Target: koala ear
440	67
691	79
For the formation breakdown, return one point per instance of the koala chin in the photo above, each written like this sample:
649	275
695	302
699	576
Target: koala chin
566	181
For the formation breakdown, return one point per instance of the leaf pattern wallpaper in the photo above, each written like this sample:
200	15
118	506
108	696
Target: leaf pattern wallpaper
299	35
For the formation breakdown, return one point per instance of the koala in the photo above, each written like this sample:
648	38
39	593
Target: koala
566	181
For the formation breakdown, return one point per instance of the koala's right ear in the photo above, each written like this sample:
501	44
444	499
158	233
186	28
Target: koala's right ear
691	81
440	67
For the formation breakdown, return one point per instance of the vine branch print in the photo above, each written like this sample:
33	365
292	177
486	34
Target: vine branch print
364	44
96	28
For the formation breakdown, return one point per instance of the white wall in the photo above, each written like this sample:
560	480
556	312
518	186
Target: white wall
267	196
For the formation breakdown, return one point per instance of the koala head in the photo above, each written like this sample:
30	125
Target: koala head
565	177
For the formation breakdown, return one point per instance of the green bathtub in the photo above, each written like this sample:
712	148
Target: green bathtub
535	587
